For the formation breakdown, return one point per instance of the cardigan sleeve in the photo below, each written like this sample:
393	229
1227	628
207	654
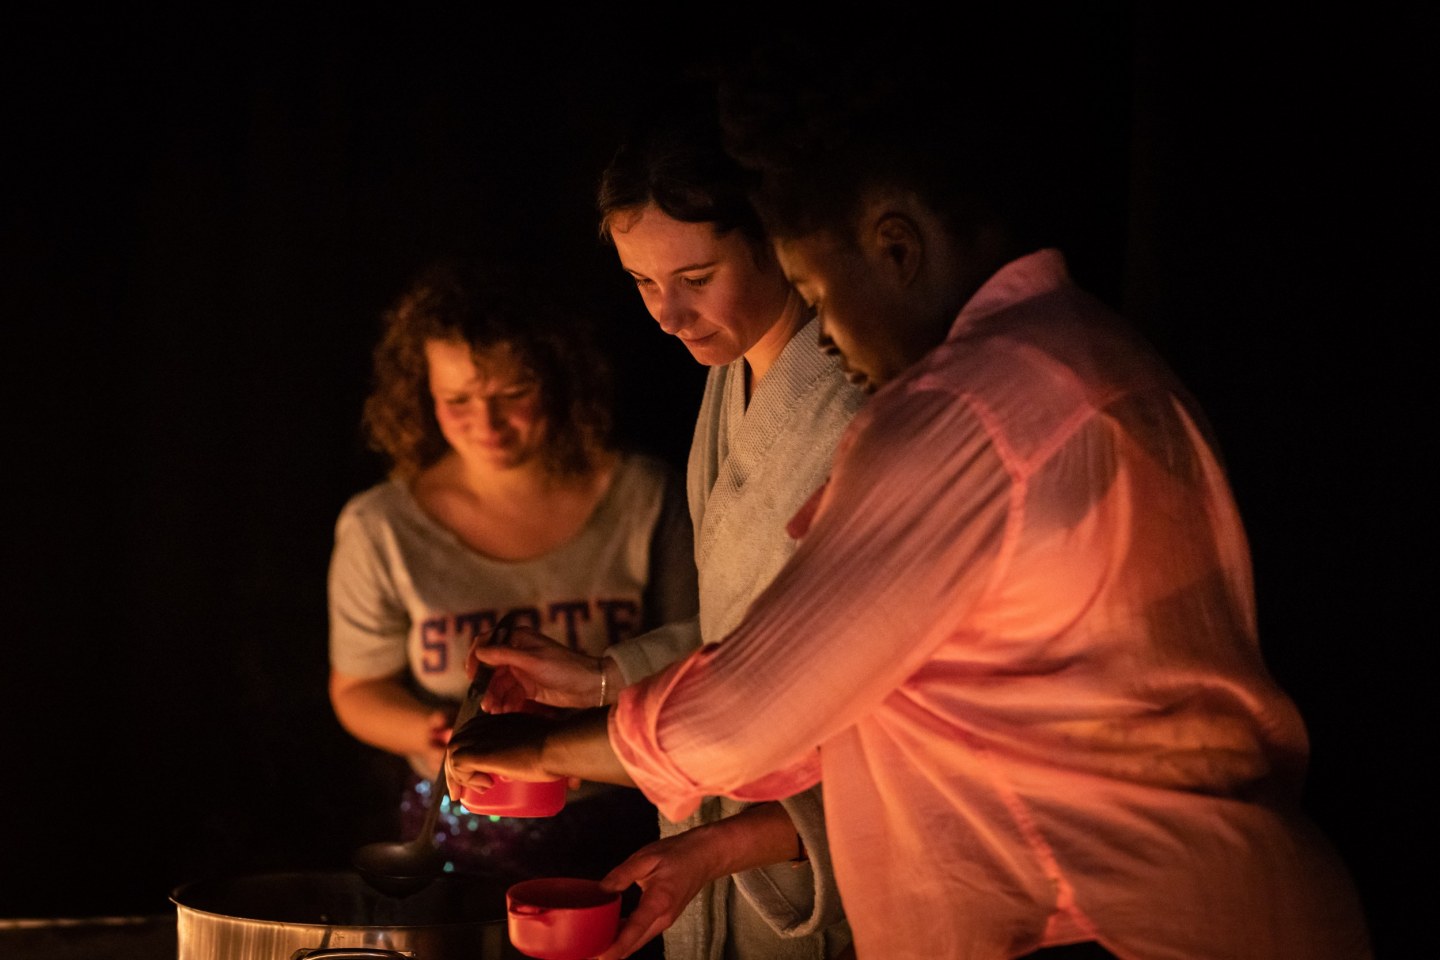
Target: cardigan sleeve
798	899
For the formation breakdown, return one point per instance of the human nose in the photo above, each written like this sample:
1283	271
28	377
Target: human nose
494	412
672	313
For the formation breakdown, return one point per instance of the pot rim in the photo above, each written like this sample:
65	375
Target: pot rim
191	886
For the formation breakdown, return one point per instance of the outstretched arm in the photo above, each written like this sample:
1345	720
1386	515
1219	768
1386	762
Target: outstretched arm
379	711
532	666
536	667
828	640
524	746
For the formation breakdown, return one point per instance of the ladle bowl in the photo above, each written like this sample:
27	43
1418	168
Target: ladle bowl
402	867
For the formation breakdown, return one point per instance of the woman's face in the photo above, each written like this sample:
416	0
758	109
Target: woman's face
704	288
487	404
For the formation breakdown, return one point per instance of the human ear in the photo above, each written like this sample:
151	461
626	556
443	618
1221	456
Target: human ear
898	243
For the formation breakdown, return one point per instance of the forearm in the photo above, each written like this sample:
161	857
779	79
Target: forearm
672	871
800	898
826	641
758	836
524	746
580	747
381	713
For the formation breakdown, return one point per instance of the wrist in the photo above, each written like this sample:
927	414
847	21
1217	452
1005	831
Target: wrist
760	835
579	746
610	681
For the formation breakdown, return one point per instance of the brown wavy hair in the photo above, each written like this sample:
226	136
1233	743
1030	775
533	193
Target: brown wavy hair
673	155
486	304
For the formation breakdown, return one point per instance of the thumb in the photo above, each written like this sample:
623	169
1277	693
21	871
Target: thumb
523	639
495	657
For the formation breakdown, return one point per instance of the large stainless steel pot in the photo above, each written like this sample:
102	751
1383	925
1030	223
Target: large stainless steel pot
315	915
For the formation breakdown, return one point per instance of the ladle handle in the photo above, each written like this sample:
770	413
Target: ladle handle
500	635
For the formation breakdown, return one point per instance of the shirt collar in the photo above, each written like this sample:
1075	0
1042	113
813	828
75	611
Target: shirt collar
1021	279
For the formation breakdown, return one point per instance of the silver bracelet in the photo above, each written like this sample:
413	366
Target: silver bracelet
600	662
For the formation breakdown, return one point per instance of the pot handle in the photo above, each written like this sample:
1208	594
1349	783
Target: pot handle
351	953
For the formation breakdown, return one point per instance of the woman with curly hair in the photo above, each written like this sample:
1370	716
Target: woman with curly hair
505	494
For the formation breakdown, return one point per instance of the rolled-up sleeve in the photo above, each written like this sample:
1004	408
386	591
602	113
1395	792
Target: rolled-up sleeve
649	653
843	624
674	792
798	899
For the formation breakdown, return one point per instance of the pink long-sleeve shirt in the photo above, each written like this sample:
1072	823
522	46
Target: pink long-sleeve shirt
1018	643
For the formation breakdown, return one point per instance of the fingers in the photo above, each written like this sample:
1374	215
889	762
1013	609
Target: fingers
504	657
506	692
433	760
464	761
556	677
464	777
526	648
437	726
523	638
630	938
453	787
652	916
654	912
464	769
631	870
509	744
519	637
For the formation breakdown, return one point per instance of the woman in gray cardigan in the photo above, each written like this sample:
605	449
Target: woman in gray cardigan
748	881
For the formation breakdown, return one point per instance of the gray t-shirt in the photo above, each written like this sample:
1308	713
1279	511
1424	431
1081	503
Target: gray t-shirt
405	591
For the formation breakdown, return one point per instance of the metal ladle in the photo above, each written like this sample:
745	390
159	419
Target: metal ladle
400	868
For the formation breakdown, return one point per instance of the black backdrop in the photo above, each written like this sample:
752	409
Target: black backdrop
204	217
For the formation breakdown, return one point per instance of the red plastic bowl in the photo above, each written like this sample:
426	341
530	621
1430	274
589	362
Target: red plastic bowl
561	918
516	798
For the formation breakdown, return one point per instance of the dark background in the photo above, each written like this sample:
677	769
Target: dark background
203	218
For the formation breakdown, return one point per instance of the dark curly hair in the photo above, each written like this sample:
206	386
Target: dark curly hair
486	304
818	127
